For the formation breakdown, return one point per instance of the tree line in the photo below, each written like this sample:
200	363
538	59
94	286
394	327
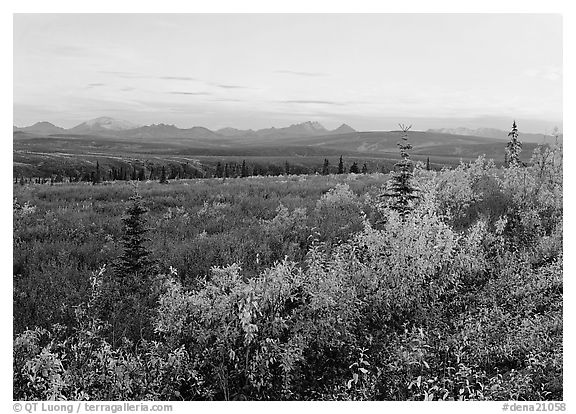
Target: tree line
174	171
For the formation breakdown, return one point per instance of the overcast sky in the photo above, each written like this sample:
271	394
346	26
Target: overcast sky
256	71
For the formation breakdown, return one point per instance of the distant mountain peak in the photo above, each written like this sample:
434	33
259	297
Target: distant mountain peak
343	129
43	127
311	125
104	123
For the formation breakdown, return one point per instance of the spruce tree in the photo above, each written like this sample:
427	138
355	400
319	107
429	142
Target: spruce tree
326	167
219	170
513	148
354	168
341	166
128	299
96	178
244	170
400	190
428	164
163	179
364	169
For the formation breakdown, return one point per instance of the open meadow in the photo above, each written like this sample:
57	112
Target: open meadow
292	287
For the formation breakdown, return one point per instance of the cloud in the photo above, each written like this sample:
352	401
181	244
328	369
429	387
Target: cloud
551	73
314	102
188	93
228	86
133	75
227	100
297	73
126	75
182	78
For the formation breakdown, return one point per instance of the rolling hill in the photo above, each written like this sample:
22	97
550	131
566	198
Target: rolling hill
308	143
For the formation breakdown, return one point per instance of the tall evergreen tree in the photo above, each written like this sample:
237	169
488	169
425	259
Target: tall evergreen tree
326	167
163	179
364	169
354	168
128	300
341	166
219	170
513	148
400	189
244	170
96	178
428	164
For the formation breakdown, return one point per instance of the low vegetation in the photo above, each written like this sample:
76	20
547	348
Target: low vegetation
293	287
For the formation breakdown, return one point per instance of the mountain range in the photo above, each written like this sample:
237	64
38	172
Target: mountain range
310	141
110	127
107	127
494	133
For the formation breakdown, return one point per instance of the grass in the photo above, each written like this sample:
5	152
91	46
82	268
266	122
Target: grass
194	224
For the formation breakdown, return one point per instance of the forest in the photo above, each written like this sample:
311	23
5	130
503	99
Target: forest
418	284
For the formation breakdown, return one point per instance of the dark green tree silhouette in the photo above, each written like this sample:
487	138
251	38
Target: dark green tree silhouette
219	170
244	170
96	178
326	167
142	175
354	168
163	179
400	190
341	166
127	303
513	148
364	169
428	164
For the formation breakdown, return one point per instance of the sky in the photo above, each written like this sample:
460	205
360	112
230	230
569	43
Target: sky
371	71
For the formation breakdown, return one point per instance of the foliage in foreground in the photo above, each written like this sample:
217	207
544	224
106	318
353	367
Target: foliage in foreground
461	299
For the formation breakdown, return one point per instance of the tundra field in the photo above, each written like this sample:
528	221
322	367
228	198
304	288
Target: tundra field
293	287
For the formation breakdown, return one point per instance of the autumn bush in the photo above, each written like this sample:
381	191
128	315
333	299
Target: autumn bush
310	289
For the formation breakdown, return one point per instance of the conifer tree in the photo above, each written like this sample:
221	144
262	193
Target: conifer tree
354	168
428	164
400	189
341	166
244	170
219	170
127	302
326	167
96	178
163	179
513	148
364	169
